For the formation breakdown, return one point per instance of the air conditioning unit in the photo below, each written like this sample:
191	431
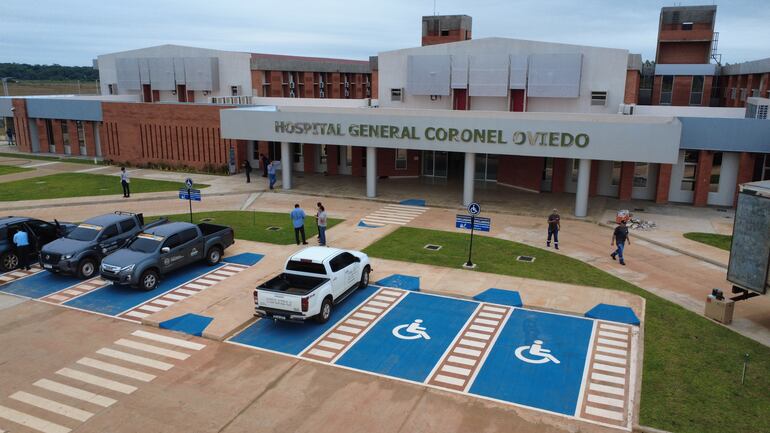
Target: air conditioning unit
626	109
757	108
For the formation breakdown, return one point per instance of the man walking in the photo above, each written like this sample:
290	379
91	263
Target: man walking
124	181
620	237
21	241
247	169
271	173
321	219
554	225
264	161
298	221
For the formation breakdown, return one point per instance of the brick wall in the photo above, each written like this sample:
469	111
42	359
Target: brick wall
664	183
42	135
172	134
386	163
90	138
681	92
72	130
58	136
745	171
703	178
631	95
559	175
520	171
21	125
680	53
626	180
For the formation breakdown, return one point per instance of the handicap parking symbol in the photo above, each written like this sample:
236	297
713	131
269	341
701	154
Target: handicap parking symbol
414	330
537	355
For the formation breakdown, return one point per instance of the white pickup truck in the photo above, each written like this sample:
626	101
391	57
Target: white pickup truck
314	280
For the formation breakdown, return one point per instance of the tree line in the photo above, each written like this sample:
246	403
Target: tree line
24	71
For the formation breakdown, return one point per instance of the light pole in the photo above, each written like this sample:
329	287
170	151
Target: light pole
5	84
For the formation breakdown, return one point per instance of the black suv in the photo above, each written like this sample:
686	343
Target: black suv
40	233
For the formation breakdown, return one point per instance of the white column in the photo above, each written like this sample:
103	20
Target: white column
286	159
371	172
581	196
470	172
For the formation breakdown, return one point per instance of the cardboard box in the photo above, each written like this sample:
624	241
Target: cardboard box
721	311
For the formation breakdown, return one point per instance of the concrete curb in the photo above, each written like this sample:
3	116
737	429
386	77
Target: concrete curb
644	429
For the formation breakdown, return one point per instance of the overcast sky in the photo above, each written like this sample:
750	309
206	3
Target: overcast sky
73	32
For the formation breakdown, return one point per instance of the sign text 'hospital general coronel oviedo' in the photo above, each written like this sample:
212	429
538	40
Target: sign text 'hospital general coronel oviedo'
467	135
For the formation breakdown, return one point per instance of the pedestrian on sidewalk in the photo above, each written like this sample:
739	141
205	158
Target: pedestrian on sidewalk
9	134
271	173
247	169
321	219
125	181
620	236
264	161
21	243
298	221
554	225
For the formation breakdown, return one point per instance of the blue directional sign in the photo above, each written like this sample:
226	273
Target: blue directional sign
190	194
479	223
474	208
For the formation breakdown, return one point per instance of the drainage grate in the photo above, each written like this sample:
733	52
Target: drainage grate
432	247
527	259
273	229
205	220
639	209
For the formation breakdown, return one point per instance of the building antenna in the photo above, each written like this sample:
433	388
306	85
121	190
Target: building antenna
434	8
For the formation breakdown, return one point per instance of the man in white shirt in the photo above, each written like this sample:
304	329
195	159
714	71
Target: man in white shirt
321	225
124	180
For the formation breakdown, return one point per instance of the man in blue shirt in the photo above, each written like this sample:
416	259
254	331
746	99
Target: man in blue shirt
271	173
298	220
21	241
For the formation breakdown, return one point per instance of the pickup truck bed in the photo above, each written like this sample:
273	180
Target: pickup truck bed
291	284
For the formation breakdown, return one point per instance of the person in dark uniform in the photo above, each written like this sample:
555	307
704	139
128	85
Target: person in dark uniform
9	134
247	169
620	237
554	225
21	242
124	181
265	162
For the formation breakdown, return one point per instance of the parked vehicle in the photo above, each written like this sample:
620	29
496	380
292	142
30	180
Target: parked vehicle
313	281
40	233
165	248
81	251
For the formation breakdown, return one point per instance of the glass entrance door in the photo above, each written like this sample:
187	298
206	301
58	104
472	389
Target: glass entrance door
434	163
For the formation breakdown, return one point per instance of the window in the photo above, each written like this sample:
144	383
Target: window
173	241
112	89
396	95
687	26
690	167
349	156
666	89
716	169
109	232
322	155
599	98
547	169
274	151
49	135
766	168
641	174
296	152
127	225
309	267
743	95
445	33
617	166
65	133
188	235
401	159
575	169
81	137
732	93
696	90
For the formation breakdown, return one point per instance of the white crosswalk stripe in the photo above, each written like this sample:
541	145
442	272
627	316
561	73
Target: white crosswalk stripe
77	393
31	421
52	406
152	349
97	380
116	369
140	360
394	214
169	340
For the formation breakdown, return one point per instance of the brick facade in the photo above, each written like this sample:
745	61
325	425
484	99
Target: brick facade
631	93
626	186
745	172
703	178
520	171
664	183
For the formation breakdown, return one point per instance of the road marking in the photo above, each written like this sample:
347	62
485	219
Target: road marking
52	406
97	380
461	360
331	345
610	379
498	310
613	342
606	389
456	370
31	421
613	327
372	310
217	277
206	281
610	368
79	289
138	314
152	349
605	400
477	335
394	214
169	340
365	316
490	315
341	337
140	360
322	353
472	343
194	286
163	302
611	350
39	164
186	292
357	322
465	351
607	358
449	380
150	308
385	298
617	335
487	329
379	304
77	393
116	369
174	297
604	413
352	330
19	274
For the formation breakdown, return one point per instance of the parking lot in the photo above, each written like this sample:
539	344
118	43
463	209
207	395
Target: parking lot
572	366
98	296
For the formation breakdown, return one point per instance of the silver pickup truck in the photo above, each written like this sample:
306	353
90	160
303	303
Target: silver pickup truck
163	249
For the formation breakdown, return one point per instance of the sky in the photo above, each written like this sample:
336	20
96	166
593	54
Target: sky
74	32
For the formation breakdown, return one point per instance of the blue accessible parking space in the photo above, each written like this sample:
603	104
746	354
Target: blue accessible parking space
553	384
39	285
391	348
292	338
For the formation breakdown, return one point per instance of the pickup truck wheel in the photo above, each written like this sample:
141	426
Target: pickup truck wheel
87	268
364	278
149	280
9	262
214	256
326	311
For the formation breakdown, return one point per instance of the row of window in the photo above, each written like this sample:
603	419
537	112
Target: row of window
696	90
81	137
274	154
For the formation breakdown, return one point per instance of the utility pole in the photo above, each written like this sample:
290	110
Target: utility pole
5	85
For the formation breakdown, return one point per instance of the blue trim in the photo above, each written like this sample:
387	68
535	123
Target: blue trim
406	282
412	202
192	324
500	296
728	135
246	259
613	313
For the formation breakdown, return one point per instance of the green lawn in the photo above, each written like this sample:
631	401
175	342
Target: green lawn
692	366
719	241
252	226
50	158
10	169
79	185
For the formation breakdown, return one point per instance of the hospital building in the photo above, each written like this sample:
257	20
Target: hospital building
539	117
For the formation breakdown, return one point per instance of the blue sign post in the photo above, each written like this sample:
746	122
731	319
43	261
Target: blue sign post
473	223
189	194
